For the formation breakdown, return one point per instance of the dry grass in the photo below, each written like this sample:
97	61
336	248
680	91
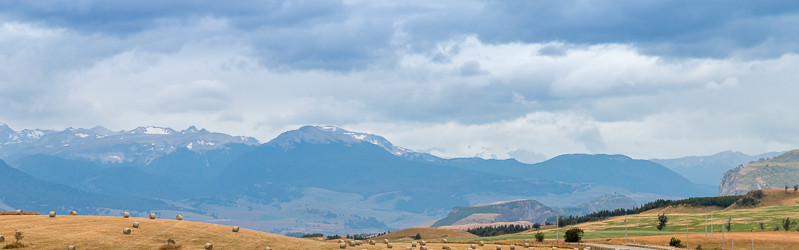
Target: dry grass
426	233
96	232
15	213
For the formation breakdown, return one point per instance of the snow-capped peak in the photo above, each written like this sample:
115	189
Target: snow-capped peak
156	131
328	134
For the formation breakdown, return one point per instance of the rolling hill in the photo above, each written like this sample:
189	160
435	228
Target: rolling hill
776	172
100	232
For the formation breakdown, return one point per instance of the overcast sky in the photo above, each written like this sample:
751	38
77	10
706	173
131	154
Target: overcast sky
496	79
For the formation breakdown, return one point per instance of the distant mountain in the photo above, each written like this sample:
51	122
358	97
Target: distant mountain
509	211
315	178
775	172
609	170
21	191
709	169
138	146
311	157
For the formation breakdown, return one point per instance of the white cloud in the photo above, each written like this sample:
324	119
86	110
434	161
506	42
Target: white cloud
459	97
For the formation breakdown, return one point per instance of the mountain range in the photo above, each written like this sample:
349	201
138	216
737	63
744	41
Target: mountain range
313	179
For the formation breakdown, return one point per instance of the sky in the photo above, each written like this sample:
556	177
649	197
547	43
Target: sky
493	79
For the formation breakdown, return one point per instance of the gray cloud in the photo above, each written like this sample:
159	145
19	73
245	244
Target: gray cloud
458	78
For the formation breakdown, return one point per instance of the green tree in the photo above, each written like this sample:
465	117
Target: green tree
573	235
417	237
536	226
786	188
762	226
787	224
662	220
539	236
675	242
795	188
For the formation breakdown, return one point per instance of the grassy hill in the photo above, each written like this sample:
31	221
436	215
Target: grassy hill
774	206
97	232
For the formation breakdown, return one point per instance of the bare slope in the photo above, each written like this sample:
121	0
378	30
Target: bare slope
776	172
97	232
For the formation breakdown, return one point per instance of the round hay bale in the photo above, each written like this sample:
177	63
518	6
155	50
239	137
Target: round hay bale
71	247
512	247
235	229
444	240
125	215
408	248
389	245
340	241
178	217
2	238
135	224
52	214
358	242
126	230
482	243
413	244
152	216
423	243
385	241
473	246
526	244
209	245
268	248
449	248
352	243
342	245
444	246
423	248
499	247
73	213
372	242
19	211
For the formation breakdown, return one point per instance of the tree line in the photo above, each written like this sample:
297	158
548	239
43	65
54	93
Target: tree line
498	230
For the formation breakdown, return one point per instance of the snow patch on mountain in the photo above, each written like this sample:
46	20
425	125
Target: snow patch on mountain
329	134
156	131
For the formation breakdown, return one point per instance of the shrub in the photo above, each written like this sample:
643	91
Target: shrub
758	194
417	237
573	235
539	237
18	235
675	242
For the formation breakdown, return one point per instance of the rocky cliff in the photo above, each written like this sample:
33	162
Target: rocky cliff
776	172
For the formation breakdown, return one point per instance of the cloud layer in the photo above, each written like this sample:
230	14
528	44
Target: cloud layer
458	79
